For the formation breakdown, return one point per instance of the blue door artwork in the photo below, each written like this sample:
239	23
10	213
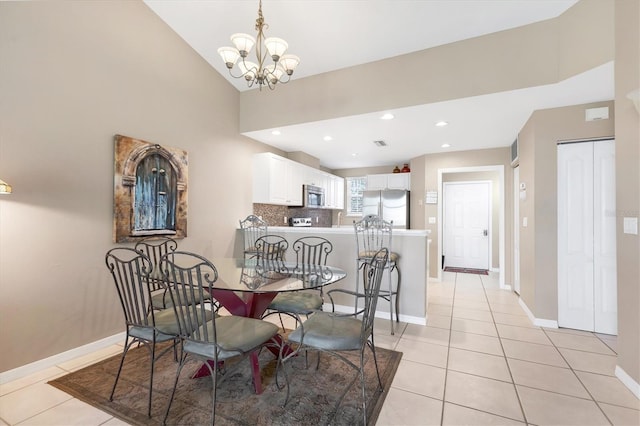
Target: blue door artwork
149	190
155	196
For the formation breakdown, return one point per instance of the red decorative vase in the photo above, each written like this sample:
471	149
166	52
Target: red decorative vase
406	168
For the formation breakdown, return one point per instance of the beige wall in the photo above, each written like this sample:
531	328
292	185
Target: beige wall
72	75
537	54
538	170
464	159
627	125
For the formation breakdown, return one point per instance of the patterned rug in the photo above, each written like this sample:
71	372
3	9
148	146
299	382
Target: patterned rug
466	270
329	395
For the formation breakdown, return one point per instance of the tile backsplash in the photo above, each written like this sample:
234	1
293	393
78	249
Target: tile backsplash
275	215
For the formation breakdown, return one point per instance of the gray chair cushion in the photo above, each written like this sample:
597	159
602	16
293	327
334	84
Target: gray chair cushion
166	326
393	257
235	335
146	333
162	299
328	332
296	302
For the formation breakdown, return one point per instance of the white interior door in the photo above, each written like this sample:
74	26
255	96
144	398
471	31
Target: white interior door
604	238
575	236
516	230
586	237
466	224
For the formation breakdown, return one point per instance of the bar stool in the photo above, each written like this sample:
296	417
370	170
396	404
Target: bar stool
372	234
252	228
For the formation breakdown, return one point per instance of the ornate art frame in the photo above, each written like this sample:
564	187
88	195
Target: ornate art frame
129	159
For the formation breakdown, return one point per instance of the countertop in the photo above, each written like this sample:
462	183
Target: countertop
347	229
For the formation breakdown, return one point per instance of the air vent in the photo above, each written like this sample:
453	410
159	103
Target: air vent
380	143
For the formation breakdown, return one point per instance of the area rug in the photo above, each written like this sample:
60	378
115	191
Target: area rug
330	395
466	270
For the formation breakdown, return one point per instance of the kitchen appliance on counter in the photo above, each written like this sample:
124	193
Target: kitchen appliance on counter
300	221
390	204
313	196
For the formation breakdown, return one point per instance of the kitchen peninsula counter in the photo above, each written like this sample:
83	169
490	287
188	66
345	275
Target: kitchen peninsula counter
411	244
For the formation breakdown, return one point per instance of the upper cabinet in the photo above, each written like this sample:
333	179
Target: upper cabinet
334	192
277	180
389	181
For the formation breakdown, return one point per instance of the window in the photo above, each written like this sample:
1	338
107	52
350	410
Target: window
355	188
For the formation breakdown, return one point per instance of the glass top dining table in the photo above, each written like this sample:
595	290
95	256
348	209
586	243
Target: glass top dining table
254	275
246	286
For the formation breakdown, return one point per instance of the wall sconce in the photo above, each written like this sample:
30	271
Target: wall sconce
634	95
5	188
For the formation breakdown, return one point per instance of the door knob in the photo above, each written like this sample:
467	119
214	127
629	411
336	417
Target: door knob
485	232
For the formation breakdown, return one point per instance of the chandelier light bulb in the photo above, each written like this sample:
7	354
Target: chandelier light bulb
230	55
243	42
289	62
276	47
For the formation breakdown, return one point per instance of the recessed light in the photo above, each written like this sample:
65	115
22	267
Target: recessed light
327	138
445	145
387	116
355	154
441	123
276	133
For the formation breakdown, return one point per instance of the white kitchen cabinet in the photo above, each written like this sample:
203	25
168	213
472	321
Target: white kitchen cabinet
338	192
277	180
333	190
312	176
389	181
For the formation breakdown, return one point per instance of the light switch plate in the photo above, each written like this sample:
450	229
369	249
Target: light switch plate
525	222
630	225
432	220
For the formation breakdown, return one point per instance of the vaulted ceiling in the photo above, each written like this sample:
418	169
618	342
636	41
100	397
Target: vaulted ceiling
330	35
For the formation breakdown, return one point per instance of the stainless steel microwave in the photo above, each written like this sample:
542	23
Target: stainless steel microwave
313	196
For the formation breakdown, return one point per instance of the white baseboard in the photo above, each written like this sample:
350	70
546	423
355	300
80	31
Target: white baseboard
34	367
628	381
540	322
379	314
494	269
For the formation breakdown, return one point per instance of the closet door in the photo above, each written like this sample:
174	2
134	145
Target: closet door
575	236
604	238
587	284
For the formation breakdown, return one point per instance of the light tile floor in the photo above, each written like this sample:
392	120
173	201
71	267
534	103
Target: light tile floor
479	361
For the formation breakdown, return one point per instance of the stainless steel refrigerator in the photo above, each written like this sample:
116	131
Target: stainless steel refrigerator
390	204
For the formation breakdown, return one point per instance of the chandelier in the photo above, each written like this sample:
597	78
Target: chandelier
261	73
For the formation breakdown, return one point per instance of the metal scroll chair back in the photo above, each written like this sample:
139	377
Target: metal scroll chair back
312	250
252	228
334	333
312	253
130	270
372	234
204	335
271	247
154	248
311	256
192	277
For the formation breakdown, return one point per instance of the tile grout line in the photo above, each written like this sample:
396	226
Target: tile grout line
446	367
578	378
515	388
